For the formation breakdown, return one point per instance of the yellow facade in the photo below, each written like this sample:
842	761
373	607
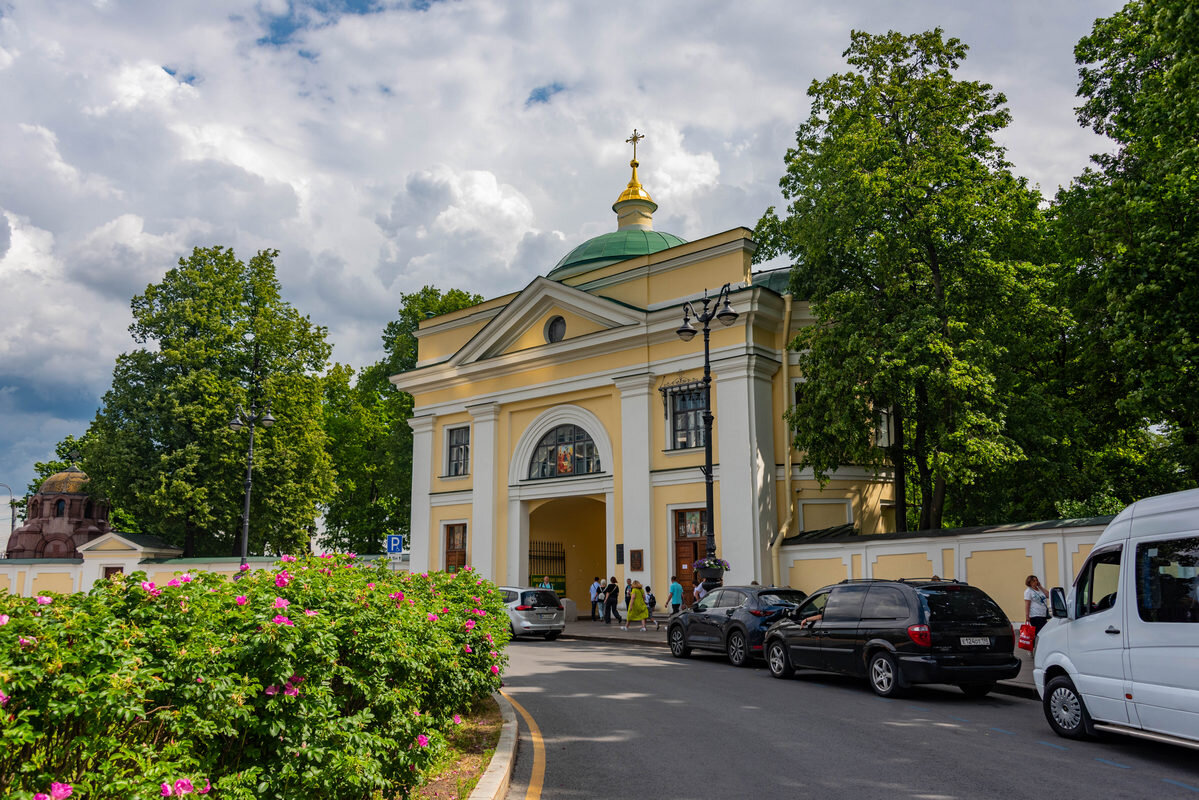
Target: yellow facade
59	582
627	498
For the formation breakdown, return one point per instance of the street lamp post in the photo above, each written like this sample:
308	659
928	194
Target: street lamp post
240	420
726	316
12	516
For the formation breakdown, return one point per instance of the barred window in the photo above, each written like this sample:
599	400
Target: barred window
687	419
458	451
566	450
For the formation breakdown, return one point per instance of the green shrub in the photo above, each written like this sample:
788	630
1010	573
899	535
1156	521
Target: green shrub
320	678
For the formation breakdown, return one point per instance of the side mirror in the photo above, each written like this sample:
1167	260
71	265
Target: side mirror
1057	599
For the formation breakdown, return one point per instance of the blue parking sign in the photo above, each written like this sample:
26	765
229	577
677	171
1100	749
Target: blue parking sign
395	543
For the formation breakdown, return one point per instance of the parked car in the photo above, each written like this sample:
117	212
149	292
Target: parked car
731	620
534	611
1120	654
896	633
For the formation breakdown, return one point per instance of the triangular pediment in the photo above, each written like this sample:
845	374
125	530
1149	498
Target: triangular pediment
522	324
113	543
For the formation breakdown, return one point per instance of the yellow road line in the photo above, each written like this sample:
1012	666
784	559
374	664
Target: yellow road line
537	778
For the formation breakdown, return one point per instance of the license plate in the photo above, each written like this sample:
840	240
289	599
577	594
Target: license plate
975	641
546	616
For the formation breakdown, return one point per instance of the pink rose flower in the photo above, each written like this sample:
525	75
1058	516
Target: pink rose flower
290	690
271	690
296	679
4	699
495	670
3	619
42	600
174	582
23	642
370	586
309	612
282	620
60	791
282	579
186	577
470	624
281	603
166	790
466	647
433	617
457	720
422	740
183	786
242	599
207	787
199	680
286	558
41	796
244	567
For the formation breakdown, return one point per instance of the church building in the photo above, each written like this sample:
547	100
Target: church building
558	430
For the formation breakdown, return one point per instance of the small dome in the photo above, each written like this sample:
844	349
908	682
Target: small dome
616	246
70	481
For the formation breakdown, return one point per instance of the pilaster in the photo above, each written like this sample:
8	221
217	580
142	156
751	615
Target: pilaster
635	440
483	459
420	545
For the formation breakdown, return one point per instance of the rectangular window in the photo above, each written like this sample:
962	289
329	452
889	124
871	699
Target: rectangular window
1168	580
690	524
457	451
687	418
455	547
1097	584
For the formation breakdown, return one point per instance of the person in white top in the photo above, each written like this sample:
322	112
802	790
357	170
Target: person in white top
596	600
1036	603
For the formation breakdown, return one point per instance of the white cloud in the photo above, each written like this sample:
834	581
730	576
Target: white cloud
385	151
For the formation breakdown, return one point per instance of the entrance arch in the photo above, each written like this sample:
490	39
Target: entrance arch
572	508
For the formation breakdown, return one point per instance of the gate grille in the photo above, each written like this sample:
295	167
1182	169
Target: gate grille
546	558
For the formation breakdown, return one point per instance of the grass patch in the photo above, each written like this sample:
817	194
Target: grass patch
467	754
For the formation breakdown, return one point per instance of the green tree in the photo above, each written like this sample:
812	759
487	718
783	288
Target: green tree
215	333
1132	221
918	250
366	422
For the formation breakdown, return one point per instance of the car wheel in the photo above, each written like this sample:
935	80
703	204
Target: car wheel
779	663
976	690
883	674
551	635
678	642
738	649
1064	709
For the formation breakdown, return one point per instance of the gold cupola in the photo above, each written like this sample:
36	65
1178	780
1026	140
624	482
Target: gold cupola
635	208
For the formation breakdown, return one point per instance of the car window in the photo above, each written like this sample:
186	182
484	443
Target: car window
884	602
1168	580
955	602
731	599
1097	583
509	596
781	597
813	606
539	598
708	601
845	604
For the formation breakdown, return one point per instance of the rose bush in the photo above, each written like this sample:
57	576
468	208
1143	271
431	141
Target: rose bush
322	677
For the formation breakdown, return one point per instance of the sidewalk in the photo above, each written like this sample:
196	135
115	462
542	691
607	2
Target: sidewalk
584	629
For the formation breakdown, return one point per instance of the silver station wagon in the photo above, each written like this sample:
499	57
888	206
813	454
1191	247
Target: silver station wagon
534	611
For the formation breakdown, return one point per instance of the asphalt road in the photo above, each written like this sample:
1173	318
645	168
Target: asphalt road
620	722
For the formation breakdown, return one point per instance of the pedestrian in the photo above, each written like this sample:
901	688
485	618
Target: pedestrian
1036	603
628	592
596	602
638	611
611	598
545	583
699	592
676	594
651	603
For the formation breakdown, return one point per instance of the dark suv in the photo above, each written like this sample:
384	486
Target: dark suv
897	633
731	620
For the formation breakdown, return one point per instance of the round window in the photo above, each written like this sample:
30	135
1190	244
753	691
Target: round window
555	329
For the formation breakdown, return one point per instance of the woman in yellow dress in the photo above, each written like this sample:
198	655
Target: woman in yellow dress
638	610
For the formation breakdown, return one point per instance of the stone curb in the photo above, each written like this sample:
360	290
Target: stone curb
493	784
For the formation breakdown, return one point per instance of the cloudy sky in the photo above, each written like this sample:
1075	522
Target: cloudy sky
384	145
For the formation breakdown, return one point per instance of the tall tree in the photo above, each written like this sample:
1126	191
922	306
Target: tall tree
215	333
916	246
367	424
1133	219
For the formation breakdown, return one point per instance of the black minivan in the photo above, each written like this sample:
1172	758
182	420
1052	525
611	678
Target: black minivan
896	633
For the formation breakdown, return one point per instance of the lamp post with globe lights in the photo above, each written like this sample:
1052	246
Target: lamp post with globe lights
242	419
717	308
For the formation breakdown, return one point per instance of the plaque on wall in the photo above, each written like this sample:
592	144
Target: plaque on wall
636	560
620	554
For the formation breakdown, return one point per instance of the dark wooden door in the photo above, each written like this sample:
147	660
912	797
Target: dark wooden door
686	553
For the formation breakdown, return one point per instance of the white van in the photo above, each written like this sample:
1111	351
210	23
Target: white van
1121	653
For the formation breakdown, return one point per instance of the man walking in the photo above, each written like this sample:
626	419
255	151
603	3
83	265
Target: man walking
676	594
596	586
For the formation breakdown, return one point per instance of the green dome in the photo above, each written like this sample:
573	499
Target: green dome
612	247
